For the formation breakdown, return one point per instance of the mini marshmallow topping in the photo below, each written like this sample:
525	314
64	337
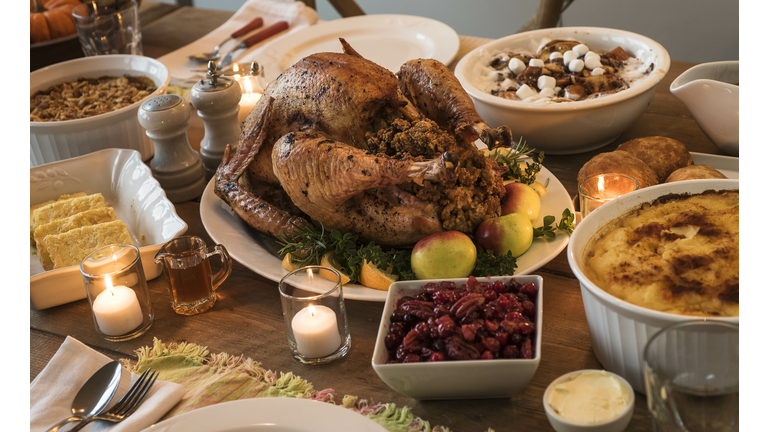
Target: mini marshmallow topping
580	49
525	92
547	92
536	62
516	66
569	56
576	66
555	55
598	71
546	82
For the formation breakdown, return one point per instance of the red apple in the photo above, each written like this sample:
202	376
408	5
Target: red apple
512	232
523	199
444	255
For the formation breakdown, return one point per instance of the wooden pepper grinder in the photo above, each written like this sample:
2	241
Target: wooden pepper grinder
217	101
175	165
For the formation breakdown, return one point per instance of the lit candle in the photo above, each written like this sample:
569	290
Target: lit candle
315	332
117	310
250	96
598	190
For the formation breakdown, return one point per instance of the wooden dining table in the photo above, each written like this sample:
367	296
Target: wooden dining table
247	318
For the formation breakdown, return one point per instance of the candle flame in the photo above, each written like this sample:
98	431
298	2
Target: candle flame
236	68
310	275
110	287
311	309
248	85
601	184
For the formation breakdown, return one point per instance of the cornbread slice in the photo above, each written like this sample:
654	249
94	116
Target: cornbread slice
71	247
78	220
65	208
37	206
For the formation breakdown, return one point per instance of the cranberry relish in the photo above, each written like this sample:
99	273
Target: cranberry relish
478	320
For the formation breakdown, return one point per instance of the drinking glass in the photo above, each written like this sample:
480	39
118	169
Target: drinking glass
692	377
598	190
316	324
186	264
108	27
117	292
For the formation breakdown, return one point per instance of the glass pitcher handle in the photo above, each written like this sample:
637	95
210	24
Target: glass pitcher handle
226	267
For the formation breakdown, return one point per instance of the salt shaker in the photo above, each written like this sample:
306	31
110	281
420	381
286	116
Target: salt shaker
176	165
217	101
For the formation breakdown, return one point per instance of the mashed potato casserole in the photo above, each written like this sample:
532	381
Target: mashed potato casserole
679	254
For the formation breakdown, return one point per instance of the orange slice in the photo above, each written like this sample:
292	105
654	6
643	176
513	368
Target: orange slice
373	277
329	259
539	188
288	263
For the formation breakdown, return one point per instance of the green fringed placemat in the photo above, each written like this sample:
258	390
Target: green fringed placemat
214	378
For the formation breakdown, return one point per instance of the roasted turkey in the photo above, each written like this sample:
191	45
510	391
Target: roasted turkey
342	140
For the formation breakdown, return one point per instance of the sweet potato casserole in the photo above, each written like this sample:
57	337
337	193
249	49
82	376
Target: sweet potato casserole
678	254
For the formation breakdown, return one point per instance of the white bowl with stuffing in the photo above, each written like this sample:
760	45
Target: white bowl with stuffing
77	131
565	120
654	281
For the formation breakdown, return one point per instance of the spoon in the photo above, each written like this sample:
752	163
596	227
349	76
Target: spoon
95	394
214	55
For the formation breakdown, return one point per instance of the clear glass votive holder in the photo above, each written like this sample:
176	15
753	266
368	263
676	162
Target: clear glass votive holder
108	27
316	324
598	190
117	292
691	374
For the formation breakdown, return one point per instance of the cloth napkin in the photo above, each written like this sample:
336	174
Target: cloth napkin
296	13
52	391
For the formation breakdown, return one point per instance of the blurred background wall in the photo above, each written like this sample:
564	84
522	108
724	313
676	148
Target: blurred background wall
691	30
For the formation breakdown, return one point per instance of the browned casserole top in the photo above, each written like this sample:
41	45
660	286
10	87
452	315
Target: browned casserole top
679	254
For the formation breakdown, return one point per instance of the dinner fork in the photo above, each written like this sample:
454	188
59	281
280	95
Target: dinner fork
127	404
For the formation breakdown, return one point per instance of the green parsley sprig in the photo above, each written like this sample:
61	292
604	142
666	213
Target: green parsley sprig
494	264
548	230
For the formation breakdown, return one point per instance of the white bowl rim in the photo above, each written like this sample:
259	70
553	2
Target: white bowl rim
562	378
677	82
662	64
605	297
99	117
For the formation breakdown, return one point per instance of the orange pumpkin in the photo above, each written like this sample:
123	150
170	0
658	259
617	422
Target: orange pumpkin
51	19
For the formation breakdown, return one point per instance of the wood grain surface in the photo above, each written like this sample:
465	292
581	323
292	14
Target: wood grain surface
247	317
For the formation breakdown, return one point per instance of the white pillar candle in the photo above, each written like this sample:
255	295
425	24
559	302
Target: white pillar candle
117	310
316	332
250	96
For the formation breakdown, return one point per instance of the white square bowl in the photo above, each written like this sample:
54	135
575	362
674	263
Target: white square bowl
128	186
455	379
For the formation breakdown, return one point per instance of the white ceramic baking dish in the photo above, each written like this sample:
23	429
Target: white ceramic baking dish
619	329
128	186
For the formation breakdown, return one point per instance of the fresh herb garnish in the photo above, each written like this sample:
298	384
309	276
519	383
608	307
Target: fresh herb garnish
311	241
494	264
512	158
548	230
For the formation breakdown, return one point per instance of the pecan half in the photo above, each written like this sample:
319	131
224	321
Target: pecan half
458	349
467	304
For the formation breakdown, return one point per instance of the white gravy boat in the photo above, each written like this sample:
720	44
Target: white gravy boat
711	93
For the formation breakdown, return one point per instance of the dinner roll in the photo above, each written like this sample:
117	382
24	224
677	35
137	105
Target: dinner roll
694	172
619	162
664	155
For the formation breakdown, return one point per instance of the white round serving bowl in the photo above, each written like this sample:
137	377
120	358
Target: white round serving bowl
709	92
616	424
619	330
455	379
575	127
55	141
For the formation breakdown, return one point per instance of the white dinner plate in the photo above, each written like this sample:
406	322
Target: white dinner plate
269	414
727	165
387	40
257	252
